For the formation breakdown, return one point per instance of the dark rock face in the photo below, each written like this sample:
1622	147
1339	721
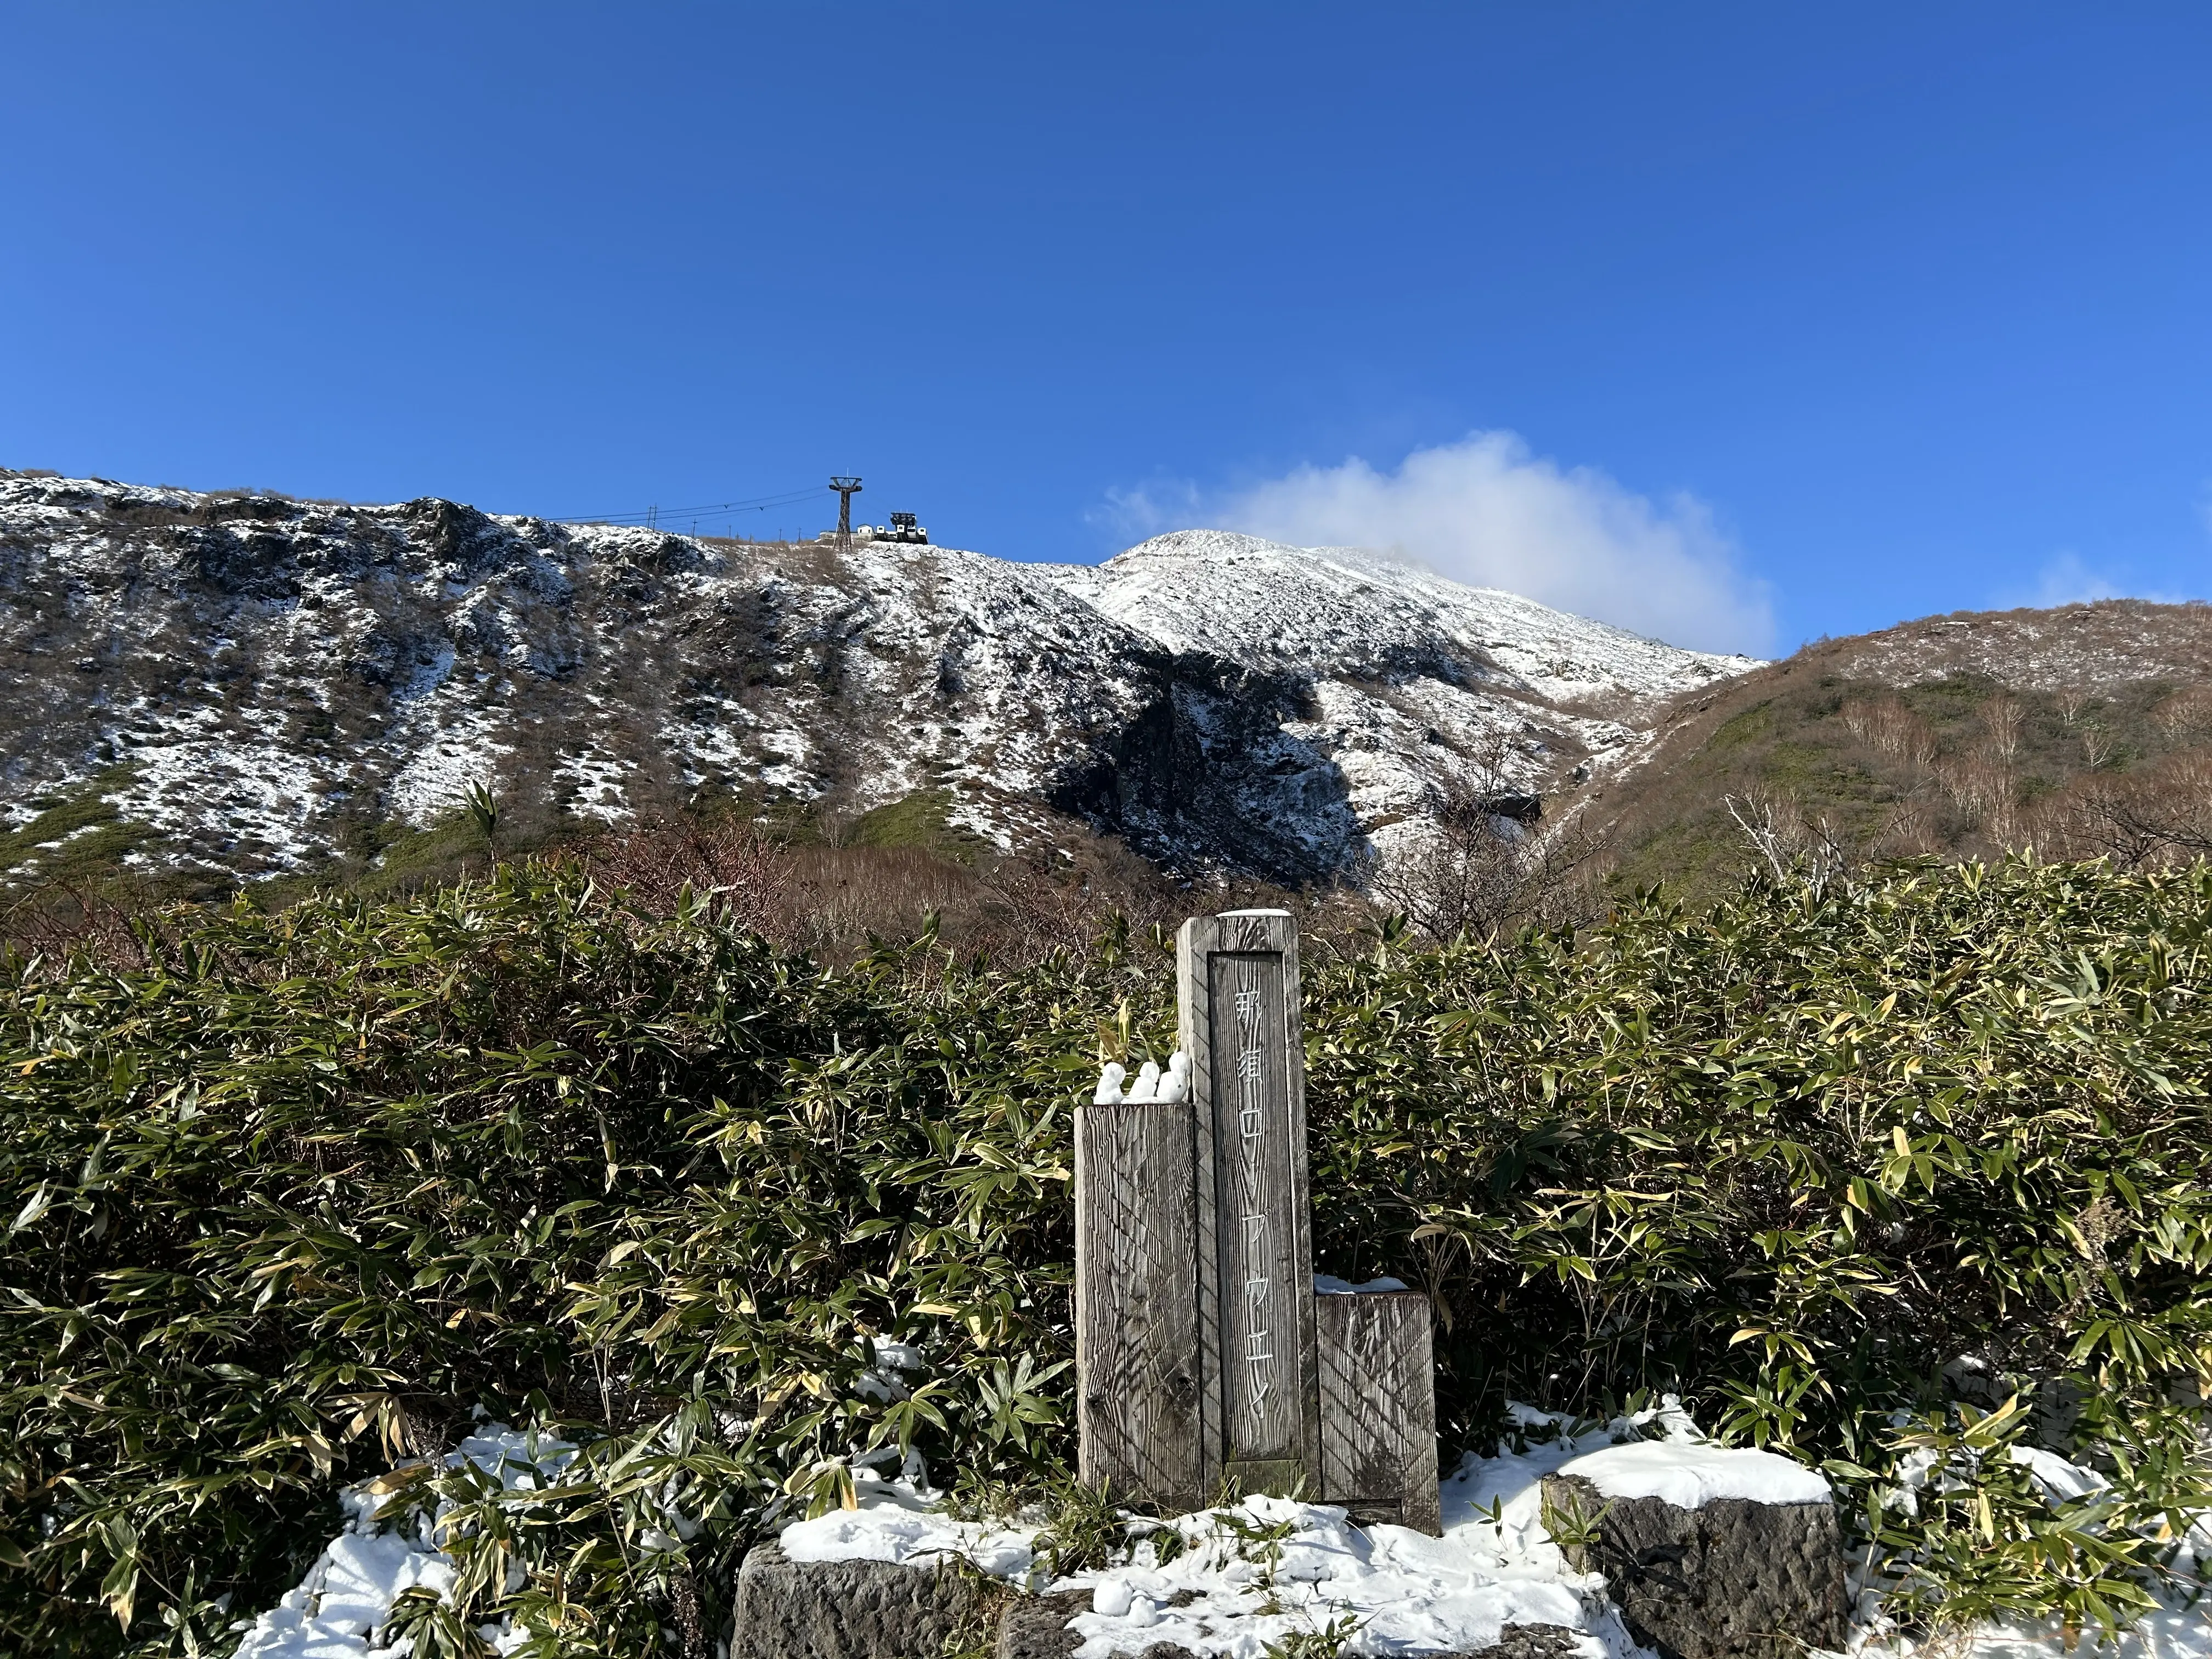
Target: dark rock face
1533	1641
850	1609
1204	761
1035	1626
1732	1580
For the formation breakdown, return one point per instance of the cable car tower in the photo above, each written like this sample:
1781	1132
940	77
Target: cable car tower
846	488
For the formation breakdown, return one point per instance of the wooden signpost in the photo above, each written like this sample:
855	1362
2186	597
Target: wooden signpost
1204	1358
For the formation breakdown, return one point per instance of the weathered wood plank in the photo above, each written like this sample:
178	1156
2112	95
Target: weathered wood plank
1238	1000
1263	1399
1203	1354
1378	1407
1194	1035
1136	1304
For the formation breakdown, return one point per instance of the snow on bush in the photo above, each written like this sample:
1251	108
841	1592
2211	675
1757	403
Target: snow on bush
346	1600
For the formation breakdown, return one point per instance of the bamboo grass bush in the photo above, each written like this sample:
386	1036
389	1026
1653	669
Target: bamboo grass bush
292	1198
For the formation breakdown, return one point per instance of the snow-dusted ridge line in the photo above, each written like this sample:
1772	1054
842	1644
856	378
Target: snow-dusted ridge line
255	678
1267	603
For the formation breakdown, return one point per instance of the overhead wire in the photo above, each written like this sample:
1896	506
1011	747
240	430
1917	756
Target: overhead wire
655	515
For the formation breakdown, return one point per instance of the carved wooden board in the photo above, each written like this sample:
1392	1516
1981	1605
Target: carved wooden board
1202	1354
1238	982
1136	1305
1378	1407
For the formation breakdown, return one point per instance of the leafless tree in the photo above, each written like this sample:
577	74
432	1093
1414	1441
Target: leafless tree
2144	819
1792	846
1975	787
1476	871
1887	726
2001	719
2186	716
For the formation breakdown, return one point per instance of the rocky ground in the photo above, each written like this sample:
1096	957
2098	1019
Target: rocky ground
248	685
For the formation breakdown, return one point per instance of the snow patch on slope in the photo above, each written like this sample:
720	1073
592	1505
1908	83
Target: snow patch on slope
1348	609
280	672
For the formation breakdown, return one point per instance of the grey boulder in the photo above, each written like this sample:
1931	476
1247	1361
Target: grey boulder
1732	1579
789	1609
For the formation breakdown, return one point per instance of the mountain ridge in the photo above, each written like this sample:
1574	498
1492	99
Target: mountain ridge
258	681
2079	731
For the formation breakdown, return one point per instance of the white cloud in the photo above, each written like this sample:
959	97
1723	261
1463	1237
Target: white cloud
1485	511
2066	578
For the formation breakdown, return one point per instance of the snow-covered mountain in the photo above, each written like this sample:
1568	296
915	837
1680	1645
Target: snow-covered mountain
253	681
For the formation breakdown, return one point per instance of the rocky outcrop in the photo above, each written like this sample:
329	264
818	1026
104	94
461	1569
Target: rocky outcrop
1730	1579
882	1610
788	1610
260	683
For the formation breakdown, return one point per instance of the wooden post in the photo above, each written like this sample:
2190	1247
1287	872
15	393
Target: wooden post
1378	1407
1136	1305
1203	1358
1237	977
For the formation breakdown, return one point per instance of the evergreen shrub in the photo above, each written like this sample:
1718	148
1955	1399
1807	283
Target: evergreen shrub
1904	1177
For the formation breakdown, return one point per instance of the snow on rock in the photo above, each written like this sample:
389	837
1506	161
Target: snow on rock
246	680
1690	1475
347	1595
899	1520
1415	684
1269	1569
1266	1569
1350	610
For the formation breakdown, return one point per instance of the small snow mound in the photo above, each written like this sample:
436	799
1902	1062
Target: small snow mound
1690	1474
1269	1570
898	1520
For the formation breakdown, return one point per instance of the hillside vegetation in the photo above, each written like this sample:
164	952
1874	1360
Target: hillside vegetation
1918	1163
2084	731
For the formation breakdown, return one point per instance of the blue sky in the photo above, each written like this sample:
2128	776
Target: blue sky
1738	324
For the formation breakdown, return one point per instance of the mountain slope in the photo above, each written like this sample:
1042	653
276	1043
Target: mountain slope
244	683
1419	685
1956	736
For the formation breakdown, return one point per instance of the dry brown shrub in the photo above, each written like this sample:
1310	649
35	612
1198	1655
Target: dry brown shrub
1975	787
105	924
732	866
2186	716
2152	819
1909	830
834	903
